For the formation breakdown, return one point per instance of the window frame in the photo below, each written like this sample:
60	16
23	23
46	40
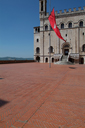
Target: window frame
51	49
37	40
81	24
37	50
46	29
62	27
70	25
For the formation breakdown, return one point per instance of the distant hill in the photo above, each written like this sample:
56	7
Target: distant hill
15	58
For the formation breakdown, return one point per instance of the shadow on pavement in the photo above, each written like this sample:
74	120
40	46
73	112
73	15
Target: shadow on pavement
3	102
1	78
72	67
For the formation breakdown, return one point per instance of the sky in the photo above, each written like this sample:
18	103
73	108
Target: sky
17	20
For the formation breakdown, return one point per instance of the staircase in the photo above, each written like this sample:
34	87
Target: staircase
64	61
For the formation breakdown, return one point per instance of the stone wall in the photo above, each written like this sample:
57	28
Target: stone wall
15	61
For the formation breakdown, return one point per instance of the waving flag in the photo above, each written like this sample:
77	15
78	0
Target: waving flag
53	24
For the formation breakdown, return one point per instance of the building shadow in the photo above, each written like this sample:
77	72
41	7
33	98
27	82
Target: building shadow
72	67
1	78
3	102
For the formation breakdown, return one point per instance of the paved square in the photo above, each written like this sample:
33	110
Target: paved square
32	95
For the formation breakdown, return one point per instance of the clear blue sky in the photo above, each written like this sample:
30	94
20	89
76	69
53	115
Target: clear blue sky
17	19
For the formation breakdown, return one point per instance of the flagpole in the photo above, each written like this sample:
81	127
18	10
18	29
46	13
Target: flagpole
49	37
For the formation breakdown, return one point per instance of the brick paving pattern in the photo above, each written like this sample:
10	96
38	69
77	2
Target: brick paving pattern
32	95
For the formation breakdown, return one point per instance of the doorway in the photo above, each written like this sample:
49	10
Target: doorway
38	59
66	48
52	60
66	51
46	60
82	60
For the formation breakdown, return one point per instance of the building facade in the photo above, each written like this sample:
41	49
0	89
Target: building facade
72	28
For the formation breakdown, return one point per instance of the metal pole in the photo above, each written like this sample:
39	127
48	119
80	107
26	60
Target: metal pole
79	42
43	37
49	37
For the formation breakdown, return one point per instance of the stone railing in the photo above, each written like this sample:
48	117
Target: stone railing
58	56
74	55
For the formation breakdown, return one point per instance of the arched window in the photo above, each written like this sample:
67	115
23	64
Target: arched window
46	27
83	48
36	30
70	25
37	40
37	50
62	26
81	24
51	28
41	5
51	49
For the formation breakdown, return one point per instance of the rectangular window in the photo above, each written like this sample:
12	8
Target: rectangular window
41	5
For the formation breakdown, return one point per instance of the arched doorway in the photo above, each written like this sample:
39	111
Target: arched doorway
38	59
66	51
82	60
52	60
65	48
46	60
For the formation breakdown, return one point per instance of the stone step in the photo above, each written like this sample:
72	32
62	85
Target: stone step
64	61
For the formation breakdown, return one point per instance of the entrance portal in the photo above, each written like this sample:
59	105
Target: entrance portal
66	51
66	48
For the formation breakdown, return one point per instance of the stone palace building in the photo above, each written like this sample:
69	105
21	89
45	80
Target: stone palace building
72	28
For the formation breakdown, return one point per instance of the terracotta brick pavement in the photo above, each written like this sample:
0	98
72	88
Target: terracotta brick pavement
32	95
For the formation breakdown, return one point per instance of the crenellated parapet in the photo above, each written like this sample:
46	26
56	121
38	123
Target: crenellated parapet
66	13
70	11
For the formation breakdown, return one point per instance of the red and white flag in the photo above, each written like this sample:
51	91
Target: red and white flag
53	24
